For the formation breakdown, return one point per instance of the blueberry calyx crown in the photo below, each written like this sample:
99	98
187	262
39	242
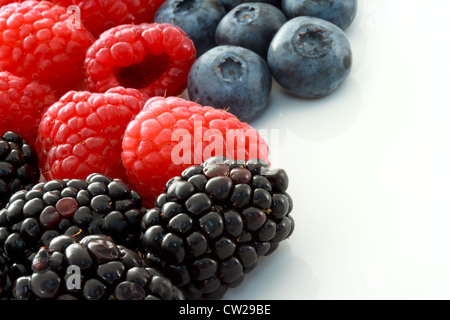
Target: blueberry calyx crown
312	41
246	14
230	68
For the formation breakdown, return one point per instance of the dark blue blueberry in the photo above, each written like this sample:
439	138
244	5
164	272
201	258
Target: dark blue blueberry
340	12
198	18
251	26
230	4
310	57
233	78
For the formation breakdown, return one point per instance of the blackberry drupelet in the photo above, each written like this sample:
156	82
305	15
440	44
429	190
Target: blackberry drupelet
5	279
213	223
18	166
97	205
9	272
106	271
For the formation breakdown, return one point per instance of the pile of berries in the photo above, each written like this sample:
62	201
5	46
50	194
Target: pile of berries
92	239
106	170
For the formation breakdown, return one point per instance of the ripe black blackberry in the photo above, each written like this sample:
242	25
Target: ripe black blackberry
94	268
18	166
97	205
214	221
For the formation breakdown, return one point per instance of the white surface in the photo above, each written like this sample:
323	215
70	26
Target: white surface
369	168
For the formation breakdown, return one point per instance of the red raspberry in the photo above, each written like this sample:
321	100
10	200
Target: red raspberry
170	134
153	58
4	2
39	42
101	15
22	104
82	133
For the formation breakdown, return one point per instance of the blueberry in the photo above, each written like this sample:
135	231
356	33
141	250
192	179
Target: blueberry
251	26
231	77
198	18
310	57
230	4
340	12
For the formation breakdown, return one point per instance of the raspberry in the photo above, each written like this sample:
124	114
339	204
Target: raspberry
5	2
39	42
153	58
100	15
152	150
23	99
82	133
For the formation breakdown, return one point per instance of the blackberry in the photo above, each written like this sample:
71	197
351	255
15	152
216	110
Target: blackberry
18	166
213	223
97	205
94	268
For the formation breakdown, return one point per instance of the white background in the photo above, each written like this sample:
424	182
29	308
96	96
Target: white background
369	167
